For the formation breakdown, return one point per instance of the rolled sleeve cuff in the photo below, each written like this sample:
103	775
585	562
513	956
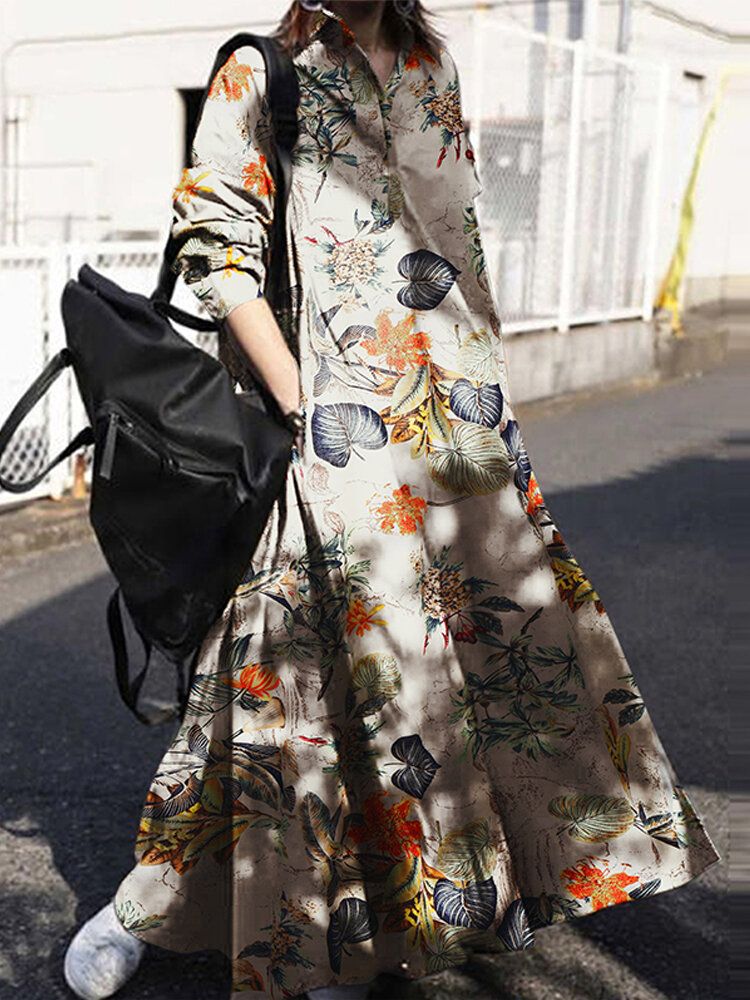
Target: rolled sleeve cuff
221	293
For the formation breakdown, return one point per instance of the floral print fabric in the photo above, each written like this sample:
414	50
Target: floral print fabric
413	731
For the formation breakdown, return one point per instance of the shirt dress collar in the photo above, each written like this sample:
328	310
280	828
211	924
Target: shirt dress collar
332	30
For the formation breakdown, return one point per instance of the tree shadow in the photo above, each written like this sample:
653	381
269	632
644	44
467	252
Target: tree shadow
656	547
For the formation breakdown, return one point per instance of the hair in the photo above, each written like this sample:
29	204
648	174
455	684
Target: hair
294	28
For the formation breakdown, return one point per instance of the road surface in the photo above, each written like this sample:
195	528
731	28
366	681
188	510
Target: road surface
643	485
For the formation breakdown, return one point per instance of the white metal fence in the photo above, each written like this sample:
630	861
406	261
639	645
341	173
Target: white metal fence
568	142
31	283
29	280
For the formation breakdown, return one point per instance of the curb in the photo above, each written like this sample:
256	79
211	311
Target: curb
38	525
704	346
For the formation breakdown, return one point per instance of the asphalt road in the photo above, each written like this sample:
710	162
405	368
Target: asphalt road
644	486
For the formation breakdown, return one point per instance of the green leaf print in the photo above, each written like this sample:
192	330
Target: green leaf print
377	673
215	836
131	921
537	707
476	252
593	818
411	391
445	946
468	854
404	882
634	705
474	461
477	358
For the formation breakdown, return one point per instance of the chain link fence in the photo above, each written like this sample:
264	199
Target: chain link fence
568	144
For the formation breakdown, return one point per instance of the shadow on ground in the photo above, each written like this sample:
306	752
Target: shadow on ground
76	768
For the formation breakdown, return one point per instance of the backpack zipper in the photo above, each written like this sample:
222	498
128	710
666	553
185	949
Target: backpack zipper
108	456
117	417
130	426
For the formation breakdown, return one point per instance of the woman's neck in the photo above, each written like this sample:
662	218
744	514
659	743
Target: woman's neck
367	20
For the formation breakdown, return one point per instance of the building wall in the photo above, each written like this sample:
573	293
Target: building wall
95	90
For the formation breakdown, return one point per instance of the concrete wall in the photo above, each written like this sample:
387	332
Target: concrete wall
545	363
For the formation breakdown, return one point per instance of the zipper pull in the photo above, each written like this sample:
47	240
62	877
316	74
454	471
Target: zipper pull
105	469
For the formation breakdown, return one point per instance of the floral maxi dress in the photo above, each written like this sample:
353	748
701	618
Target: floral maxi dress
413	731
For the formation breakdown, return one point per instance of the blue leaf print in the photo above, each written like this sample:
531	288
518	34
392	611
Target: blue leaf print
421	766
515	930
470	906
514	443
352	923
430	277
478	404
337	427
646	889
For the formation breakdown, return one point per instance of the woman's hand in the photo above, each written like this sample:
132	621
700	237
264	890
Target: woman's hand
254	327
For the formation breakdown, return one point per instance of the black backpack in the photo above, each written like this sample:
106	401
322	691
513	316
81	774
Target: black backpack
185	469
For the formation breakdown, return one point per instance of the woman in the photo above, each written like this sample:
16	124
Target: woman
413	732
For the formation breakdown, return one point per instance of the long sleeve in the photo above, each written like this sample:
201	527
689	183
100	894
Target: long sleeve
467	160
462	163
223	204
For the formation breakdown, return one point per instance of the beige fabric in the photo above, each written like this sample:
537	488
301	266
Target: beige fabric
413	730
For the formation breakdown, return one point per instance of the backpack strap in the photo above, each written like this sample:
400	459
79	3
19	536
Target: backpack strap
130	688
282	92
23	407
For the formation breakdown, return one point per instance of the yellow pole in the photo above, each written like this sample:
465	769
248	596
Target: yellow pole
670	292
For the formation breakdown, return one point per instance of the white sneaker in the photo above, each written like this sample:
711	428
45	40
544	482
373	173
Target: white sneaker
102	956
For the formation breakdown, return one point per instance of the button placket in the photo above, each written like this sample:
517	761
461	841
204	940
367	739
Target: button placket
385	96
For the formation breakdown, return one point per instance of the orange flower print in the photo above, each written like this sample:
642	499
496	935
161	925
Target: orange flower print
417	56
388	830
360	620
586	881
402	345
404	512
535	500
257	681
347	35
189	186
231	263
257	177
232	80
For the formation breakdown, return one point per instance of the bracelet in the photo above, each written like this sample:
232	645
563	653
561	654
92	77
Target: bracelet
294	421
